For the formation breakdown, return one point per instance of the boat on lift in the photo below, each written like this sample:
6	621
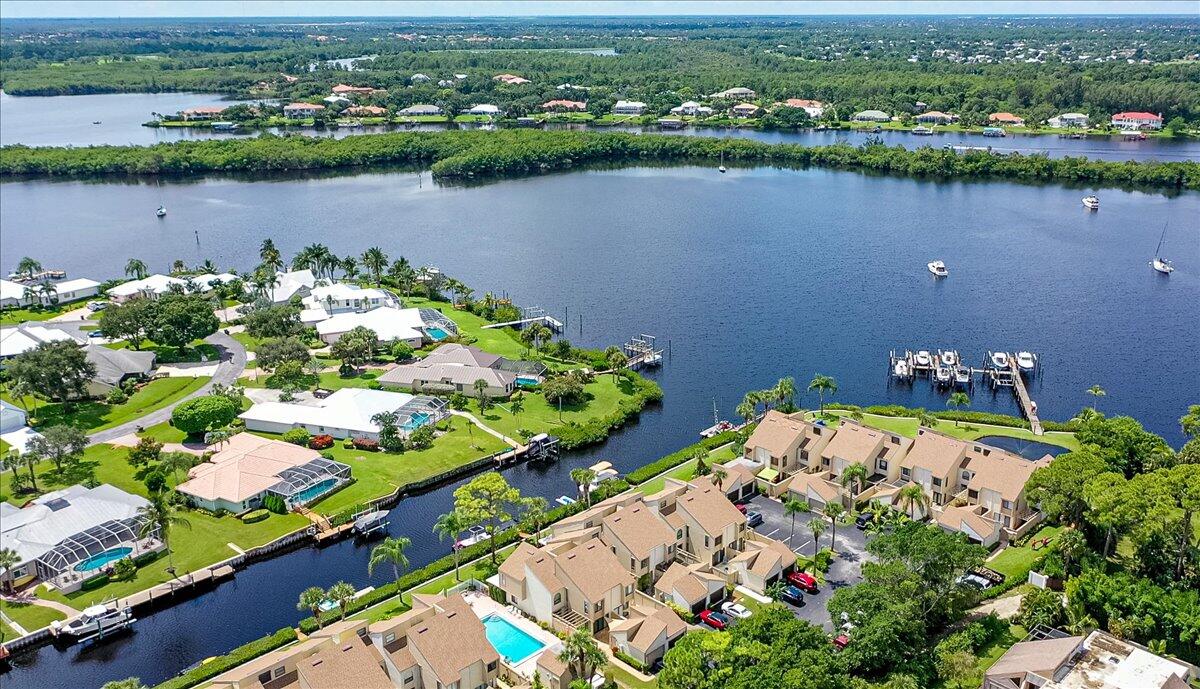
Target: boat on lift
370	522
1159	263
942	375
1026	361
1091	202
938	268
962	376
924	358
999	360
476	534
901	369
949	358
94	622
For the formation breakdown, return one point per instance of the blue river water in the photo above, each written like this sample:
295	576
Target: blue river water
744	277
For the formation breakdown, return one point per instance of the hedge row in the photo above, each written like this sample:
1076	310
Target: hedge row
576	435
237	656
649	471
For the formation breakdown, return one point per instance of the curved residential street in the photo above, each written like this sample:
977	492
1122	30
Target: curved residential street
232	363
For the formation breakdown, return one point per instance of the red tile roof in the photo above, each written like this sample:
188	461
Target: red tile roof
1137	116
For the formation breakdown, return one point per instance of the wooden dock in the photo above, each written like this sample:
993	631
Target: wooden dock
641	351
548	321
1027	404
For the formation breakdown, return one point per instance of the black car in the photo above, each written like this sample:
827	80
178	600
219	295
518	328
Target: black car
862	520
754	518
793	595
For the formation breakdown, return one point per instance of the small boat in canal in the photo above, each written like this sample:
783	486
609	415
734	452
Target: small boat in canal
371	522
942	375
937	268
476	534
1091	202
565	500
94	622
962	376
921	130
1026	361
949	358
722	166
1159	263
901	370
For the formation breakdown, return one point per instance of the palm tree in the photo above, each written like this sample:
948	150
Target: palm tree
208	266
174	461
583	479
219	437
535	514
349	266
178	266
391	551
834	511
341	593
785	391
375	261
746	410
450	525
1096	392
958	399
270	256
582	654
311	599
8	560
30	460
28	267
48	293
719	474
822	384
159	517
856	475
517	405
911	497
403	274
793	507
617	361
926	419
136	269
817	526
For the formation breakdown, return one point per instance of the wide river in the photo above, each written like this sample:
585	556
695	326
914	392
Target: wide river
751	275
118	118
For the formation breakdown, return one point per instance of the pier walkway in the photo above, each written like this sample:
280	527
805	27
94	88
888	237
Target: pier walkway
548	321
1027	405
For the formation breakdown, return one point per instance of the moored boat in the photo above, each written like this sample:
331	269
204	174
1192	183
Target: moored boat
999	360
94	621
1091	202
937	268
924	358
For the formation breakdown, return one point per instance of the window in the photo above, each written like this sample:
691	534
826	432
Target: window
389	637
937	498
966	475
679	534
645	563
882	464
587	608
363	632
264	677
279	671
706	541
493	665
409	679
937	481
1007	504
905	472
557	598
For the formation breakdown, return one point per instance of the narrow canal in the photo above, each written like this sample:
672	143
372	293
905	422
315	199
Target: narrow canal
751	275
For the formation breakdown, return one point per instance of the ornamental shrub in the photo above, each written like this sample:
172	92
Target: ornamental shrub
257	515
275	504
321	442
204	413
297	436
366	444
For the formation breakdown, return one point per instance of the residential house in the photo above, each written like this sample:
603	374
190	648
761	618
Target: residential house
693	587
483	109
339	655
347	90
439	644
13	295
365	111
115	366
648	631
247	468
872	116
296	283
785	445
510	79
1069	120
413	326
1006	118
640	539
1053	660
335	101
203	112
713	529
419	78
74	290
27	336
814	108
300	111
745	110
936	117
347	413
342	297
455	368
692	109
880	451
154	286
564	105
762	562
56	534
12	418
629	107
1135	121
421	110
735	93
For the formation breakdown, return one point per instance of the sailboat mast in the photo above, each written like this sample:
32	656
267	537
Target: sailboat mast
1158	249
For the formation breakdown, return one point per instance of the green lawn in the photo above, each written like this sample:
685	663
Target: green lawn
494	340
992	652
164	354
94	415
1015	562
686	470
394	606
31	617
379	473
624	679
539	415
164	433
18	316
907	426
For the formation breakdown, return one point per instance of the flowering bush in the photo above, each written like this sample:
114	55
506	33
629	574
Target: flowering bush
321	442
366	444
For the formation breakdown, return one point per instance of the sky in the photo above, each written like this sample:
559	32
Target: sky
425	8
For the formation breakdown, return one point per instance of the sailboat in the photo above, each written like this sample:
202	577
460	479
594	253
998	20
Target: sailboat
718	426
162	209
1159	263
722	167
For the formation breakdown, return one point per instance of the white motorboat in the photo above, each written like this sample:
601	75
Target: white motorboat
716	429
475	534
96	620
604	471
721	168
329	604
962	376
949	358
900	370
1091	202
921	130
162	210
565	500
999	360
938	268
1026	361
924	358
942	375
1159	263
370	522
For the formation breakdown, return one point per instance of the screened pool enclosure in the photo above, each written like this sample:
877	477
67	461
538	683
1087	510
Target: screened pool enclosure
81	555
300	485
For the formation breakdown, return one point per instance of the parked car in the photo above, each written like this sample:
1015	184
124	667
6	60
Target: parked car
803	580
733	609
841	641
95	333
754	519
97	305
714	619
862	520
740	507
793	595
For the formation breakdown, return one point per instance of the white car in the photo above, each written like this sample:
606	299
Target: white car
735	610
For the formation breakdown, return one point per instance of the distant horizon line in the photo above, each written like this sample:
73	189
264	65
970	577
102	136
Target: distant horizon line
946	15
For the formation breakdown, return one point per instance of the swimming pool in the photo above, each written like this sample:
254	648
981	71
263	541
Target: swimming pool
313	491
1029	449
508	640
528	382
99	561
437	334
415	422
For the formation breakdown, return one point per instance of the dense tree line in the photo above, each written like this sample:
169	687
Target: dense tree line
461	154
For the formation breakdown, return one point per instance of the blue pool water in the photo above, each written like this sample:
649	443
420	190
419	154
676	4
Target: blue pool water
509	641
526	381
438	334
313	491
98	561
416	422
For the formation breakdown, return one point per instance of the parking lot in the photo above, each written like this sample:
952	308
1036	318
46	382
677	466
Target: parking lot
846	569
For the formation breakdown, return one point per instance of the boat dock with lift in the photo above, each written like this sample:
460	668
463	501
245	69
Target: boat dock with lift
530	315
642	351
946	371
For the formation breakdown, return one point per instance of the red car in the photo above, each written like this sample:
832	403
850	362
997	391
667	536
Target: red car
841	641
803	580
714	619
741	508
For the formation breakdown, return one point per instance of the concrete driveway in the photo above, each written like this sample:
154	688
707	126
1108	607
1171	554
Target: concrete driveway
846	569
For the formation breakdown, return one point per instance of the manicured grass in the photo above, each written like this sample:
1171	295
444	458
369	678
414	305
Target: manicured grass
686	471
195	352
624	679
967	430
18	316
31	617
102	463
333	380
93	415
539	415
1015	562
494	340
164	433
379	473
248	341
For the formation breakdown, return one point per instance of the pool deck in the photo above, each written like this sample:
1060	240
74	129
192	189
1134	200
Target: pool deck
483	606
